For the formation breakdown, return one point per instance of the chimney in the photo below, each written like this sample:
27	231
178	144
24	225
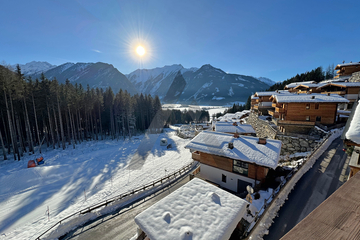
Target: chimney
236	135
312	97
328	94
234	124
262	141
230	145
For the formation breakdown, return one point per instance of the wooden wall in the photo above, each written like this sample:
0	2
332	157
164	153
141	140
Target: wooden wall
298	112
254	171
354	90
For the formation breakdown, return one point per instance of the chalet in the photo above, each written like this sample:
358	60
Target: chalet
335	218
290	87
351	137
197	210
346	69
234	127
261	102
309	87
348	90
299	112
234	162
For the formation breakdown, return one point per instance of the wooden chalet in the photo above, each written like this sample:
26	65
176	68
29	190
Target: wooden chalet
298	113
234	162
348	90
261	103
351	138
346	69
335	218
291	87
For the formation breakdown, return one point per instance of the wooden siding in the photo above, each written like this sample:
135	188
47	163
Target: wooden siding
353	90
298	112
254	171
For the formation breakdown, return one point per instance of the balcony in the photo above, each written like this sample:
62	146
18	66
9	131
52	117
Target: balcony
335	92
279	110
273	113
276	105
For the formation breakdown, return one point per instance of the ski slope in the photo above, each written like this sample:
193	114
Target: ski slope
73	179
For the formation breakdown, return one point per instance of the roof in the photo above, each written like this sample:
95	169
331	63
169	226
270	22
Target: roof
335	218
347	65
347	126
294	84
342	84
353	133
270	93
228	127
354	159
198	210
246	148
335	98
339	79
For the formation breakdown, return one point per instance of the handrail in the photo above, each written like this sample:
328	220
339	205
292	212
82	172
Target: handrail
118	197
277	190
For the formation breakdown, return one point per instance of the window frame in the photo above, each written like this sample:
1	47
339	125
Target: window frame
240	167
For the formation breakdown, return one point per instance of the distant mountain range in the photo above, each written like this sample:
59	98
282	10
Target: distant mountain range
173	84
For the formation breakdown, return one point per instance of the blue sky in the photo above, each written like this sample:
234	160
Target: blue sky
274	39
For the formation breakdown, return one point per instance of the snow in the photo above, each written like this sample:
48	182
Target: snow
270	93
294	84
345	112
231	91
211	109
246	148
347	64
344	84
227	127
73	179
307	98
266	81
197	210
34	67
217	98
353	132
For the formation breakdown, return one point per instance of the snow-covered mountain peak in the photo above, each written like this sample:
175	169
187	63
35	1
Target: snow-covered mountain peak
34	67
266	80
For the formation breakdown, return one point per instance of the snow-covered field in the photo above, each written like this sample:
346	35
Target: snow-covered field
211	109
73	179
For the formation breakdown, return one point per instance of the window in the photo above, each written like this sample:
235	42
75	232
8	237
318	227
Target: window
318	119
307	118
316	106
223	178
240	167
308	106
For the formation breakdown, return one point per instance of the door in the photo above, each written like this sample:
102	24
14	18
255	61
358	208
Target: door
241	185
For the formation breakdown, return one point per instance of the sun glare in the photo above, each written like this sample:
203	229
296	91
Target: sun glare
140	50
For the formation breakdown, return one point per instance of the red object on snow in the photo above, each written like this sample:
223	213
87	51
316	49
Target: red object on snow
39	159
31	163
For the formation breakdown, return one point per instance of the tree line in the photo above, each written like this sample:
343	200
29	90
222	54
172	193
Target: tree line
316	75
43	112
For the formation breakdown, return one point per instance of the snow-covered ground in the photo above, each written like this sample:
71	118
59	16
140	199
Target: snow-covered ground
211	109
73	179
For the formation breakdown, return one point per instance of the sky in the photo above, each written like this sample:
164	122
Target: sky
274	39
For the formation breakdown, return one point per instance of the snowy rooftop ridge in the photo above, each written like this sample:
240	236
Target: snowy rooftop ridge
246	148
270	93
294	84
347	65
228	127
353	132
308	98
197	210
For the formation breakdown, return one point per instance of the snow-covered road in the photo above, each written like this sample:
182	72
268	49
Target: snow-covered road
75	178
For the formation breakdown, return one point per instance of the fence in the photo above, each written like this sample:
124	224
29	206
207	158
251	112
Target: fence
121	196
277	190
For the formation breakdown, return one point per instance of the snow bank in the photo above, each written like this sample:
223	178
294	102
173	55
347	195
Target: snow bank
73	179
353	133
266	221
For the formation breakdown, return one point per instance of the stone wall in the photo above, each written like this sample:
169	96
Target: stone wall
261	127
292	143
355	77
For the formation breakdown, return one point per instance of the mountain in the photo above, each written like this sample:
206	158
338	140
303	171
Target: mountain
34	67
156	81
266	81
207	85
101	75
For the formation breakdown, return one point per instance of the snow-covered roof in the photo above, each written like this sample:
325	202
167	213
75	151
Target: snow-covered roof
309	98
347	65
339	79
353	132
246	148
344	84
294	84
229	115
311	85
198	210
270	93
253	97
345	112
228	127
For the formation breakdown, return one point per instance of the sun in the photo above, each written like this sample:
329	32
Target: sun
140	50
